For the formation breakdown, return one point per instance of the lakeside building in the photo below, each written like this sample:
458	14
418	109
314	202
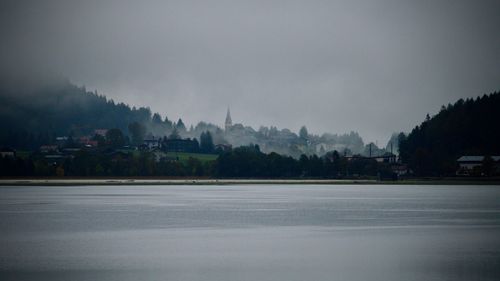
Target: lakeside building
7	152
223	147
49	148
87	141
386	158
100	132
61	141
471	164
150	143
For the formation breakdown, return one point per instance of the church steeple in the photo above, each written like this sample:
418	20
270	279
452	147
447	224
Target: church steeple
229	122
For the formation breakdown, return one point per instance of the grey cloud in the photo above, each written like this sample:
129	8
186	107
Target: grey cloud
336	66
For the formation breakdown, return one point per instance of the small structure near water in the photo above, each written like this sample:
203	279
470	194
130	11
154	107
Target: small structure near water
478	165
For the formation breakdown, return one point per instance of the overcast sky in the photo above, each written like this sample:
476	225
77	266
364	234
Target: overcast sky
370	66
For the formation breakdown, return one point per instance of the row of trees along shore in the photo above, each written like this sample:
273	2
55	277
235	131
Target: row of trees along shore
241	162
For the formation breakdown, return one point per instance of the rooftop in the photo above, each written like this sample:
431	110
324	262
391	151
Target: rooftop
475	158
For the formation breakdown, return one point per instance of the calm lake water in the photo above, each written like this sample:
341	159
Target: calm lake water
250	232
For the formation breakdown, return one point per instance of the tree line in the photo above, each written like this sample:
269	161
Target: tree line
241	162
467	127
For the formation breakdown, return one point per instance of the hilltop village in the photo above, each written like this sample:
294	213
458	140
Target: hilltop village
64	130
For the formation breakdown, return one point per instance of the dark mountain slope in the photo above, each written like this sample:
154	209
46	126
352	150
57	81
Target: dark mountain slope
468	127
60	108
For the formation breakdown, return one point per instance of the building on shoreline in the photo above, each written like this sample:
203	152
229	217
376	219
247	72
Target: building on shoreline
469	165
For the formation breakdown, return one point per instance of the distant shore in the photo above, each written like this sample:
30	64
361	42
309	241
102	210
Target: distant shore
164	181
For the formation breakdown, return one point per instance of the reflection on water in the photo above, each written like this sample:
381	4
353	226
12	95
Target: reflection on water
250	232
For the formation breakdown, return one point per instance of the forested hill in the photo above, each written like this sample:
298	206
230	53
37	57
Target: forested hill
468	127
61	108
33	114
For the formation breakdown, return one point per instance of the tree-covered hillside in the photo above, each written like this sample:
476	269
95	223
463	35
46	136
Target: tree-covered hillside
33	114
468	127
61	108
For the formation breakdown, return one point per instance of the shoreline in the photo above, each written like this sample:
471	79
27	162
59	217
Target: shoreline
153	181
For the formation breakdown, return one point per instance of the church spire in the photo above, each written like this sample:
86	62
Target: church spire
229	122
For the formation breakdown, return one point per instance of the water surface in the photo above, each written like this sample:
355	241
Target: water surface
250	232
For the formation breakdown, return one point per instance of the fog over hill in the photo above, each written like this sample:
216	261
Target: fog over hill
35	113
373	66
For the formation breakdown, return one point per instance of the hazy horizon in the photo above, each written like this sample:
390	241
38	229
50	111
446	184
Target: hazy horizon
374	67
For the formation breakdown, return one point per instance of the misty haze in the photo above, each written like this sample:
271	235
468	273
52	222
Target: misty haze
249	140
